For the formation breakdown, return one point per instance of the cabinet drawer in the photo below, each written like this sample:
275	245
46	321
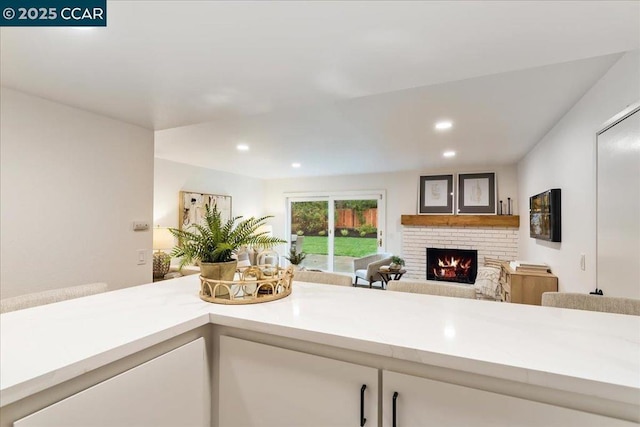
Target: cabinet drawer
424	402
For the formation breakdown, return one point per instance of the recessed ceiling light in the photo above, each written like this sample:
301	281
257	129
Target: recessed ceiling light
449	153
444	125
242	147
295	165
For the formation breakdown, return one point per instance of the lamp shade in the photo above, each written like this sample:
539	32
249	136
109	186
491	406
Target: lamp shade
162	239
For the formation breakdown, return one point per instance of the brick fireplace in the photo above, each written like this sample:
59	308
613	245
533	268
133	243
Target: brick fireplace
452	265
494	241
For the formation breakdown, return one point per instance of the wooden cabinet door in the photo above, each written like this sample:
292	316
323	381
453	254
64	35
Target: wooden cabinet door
423	402
166	391
264	386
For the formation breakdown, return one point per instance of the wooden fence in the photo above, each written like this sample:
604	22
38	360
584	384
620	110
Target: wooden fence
349	218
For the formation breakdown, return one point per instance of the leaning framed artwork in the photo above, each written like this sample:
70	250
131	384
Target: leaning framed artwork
477	193
436	195
192	207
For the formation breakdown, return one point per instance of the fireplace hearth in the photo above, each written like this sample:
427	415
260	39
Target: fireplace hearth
452	265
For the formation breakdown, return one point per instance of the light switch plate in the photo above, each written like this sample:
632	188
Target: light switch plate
142	257
140	226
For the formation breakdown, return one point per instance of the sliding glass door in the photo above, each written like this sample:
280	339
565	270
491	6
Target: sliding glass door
309	224
355	231
334	229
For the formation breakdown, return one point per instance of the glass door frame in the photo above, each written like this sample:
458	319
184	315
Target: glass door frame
331	197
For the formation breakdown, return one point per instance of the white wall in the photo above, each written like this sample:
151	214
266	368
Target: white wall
247	194
401	191
72	184
565	158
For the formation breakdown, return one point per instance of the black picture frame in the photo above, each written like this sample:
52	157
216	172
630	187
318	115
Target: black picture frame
480	194
436	195
545	222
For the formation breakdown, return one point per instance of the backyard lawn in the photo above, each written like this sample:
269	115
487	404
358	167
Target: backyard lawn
344	246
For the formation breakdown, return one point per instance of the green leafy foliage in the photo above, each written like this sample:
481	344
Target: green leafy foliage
295	258
309	217
344	232
312	217
397	260
367	229
216	240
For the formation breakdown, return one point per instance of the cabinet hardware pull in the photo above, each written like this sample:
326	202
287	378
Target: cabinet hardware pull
363	420
395	397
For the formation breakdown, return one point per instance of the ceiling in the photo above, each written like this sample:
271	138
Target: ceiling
337	86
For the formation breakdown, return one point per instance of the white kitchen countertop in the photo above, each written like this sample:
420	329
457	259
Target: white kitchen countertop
590	353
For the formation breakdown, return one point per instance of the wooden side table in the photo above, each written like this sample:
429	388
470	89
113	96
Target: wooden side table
525	287
388	275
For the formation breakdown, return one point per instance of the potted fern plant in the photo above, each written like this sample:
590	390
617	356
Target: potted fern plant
295	258
213	243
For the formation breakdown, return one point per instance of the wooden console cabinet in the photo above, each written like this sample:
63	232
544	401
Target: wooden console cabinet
525	287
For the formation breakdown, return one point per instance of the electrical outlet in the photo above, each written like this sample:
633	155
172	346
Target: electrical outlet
142	257
583	263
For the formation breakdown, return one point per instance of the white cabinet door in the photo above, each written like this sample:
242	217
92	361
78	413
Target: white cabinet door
267	386
423	402
166	391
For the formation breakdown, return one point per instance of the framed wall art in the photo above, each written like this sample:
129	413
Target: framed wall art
477	193
192	207
436	195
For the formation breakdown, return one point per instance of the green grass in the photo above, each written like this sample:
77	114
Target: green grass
344	246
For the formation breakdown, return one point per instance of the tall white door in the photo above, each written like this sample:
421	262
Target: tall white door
265	386
618	215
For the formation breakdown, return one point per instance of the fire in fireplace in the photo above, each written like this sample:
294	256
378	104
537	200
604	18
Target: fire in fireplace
452	265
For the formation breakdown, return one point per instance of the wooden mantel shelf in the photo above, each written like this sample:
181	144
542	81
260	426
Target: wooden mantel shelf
462	220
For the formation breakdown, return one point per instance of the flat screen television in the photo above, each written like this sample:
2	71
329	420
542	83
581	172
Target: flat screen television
544	216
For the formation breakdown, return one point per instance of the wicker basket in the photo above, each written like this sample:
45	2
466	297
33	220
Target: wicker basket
253	285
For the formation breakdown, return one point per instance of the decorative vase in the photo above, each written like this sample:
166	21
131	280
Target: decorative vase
394	266
219	271
161	264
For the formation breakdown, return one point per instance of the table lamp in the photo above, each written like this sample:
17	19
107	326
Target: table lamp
162	240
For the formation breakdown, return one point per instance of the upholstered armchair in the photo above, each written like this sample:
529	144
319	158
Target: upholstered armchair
367	267
322	277
429	288
591	302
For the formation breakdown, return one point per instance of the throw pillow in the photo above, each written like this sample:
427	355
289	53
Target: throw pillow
488	282
492	262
